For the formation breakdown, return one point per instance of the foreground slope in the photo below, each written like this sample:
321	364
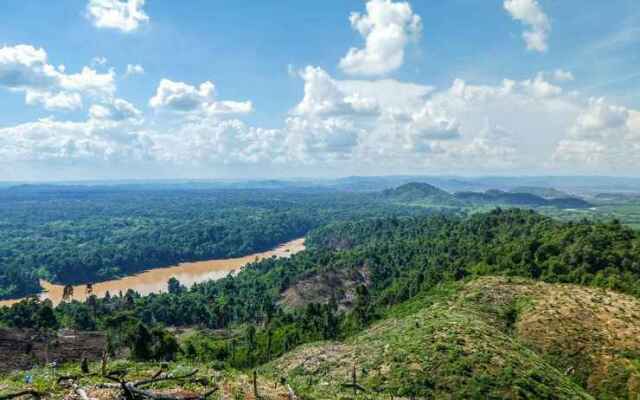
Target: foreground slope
490	338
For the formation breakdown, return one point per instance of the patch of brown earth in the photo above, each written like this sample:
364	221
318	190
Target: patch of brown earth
591	334
319	288
23	349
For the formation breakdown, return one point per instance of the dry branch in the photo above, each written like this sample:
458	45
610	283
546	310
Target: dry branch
158	378
32	393
132	390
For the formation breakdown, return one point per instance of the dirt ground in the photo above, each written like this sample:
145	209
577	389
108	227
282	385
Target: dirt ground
23	349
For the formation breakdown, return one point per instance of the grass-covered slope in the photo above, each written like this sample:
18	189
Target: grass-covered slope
591	335
231	384
489	338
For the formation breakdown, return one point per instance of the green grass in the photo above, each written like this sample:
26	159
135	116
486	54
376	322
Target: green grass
234	383
436	346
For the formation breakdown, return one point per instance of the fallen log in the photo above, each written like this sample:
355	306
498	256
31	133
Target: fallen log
354	386
132	390
32	393
158	378
145	394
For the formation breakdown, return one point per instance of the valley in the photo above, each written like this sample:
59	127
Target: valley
411	292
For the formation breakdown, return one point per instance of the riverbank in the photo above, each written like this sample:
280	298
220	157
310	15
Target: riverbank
155	280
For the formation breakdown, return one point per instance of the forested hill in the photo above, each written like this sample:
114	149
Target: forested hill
82	234
424	194
522	199
421	192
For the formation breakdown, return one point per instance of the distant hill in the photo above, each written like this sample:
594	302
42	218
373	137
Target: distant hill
545	192
499	197
416	192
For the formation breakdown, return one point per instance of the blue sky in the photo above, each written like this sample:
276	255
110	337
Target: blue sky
287	98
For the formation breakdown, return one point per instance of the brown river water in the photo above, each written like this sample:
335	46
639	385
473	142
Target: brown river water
155	280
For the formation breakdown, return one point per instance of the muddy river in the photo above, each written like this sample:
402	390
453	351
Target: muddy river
155	280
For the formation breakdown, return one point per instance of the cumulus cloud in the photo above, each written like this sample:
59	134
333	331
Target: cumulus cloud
377	126
561	75
184	98
603	136
600	119
116	110
90	141
530	14
210	141
24	68
134	69
539	87
387	28
321	139
323	96
431	123
518	125
122	15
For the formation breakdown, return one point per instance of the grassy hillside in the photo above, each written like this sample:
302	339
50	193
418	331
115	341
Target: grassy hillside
486	338
490	338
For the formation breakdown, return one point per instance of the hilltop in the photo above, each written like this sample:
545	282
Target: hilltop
489	338
499	197
544	192
423	193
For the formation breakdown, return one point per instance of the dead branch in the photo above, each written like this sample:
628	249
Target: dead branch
145	394
132	390
32	393
158	378
291	394
354	386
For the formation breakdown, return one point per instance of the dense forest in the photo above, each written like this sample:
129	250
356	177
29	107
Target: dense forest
83	234
400	256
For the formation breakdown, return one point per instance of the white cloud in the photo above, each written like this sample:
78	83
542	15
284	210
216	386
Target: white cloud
533	124
323	96
54	101
372	126
134	69
90	141
123	15
184	98
603	137
321	139
539	87
209	141
116	110
432	123
571	152
530	14
600	119
387	28
561	75
24	68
